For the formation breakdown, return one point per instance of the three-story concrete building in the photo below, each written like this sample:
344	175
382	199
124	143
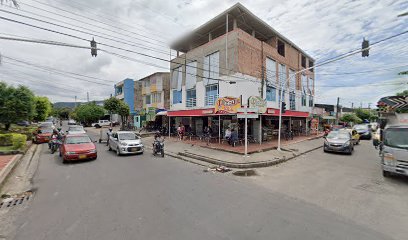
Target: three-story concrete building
239	56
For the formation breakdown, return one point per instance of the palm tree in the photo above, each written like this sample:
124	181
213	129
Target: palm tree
14	2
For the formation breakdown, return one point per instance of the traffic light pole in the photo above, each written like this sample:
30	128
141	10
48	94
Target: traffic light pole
280	118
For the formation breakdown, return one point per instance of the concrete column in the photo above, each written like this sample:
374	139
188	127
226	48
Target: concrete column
209	36
253	33
234	23
178	53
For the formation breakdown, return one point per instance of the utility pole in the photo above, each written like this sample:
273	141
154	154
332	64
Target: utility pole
337	111
87	96
352	105
75	101
262	71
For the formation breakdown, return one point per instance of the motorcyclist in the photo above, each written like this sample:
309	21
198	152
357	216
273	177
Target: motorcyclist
157	139
54	136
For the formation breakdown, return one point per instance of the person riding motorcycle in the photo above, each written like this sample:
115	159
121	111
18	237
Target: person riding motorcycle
158	140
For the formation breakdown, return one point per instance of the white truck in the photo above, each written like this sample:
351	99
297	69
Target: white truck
101	123
394	145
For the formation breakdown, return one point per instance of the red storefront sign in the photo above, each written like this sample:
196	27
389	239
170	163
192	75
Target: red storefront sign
191	112
288	113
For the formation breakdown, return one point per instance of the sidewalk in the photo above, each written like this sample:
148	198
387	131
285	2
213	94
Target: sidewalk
7	163
260	158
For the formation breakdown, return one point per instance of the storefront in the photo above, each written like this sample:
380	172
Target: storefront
224	115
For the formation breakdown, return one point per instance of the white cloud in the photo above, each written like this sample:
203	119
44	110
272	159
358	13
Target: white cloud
322	28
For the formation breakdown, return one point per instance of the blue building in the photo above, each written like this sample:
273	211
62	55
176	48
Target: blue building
125	91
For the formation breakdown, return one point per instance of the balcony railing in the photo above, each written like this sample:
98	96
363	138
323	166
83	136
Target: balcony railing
210	100
191	102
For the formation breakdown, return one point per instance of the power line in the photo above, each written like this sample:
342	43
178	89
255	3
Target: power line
44	42
360	72
54	69
66	75
94	20
121	40
87	23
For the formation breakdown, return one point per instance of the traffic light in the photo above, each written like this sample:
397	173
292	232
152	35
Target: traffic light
93	48
365	45
283	107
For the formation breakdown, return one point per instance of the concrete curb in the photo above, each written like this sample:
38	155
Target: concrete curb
262	150
175	155
261	164
5	172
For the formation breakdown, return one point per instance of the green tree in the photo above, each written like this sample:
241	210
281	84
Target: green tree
112	105
124	112
88	113
62	113
403	93
43	108
16	104
365	114
350	118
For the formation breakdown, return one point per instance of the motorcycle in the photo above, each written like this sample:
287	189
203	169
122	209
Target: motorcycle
158	148
55	144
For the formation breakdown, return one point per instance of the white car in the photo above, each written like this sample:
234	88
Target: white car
76	129
71	122
101	123
125	142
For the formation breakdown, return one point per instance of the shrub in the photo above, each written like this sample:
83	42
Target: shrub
6	139
19	141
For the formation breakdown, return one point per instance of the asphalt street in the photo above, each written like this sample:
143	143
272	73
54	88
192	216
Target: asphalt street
146	197
350	186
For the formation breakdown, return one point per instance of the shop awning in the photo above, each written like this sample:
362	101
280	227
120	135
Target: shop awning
329	118
191	112
288	113
162	113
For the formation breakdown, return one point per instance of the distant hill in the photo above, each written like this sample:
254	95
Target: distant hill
72	104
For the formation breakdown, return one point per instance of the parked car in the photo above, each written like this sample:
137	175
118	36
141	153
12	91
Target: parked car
101	123
76	129
125	142
77	147
339	141
46	125
364	130
42	135
71	122
23	123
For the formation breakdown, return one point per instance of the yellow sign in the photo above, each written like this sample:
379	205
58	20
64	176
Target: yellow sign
227	105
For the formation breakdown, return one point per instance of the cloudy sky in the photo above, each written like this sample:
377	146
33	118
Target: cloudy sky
323	28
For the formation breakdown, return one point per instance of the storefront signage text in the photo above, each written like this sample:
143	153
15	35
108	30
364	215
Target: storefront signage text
257	102
227	105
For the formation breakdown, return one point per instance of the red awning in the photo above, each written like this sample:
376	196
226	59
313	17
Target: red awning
191	112
288	113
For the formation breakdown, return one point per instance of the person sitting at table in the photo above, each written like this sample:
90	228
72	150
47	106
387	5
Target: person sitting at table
233	138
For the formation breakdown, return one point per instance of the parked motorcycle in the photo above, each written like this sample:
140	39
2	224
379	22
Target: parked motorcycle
158	148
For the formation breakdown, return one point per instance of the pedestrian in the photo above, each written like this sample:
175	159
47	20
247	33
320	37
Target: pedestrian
109	133
228	134
180	131
234	137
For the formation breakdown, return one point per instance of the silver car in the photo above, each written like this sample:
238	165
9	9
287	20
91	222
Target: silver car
125	142
339	141
76	129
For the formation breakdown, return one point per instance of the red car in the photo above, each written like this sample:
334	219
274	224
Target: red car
77	147
43	135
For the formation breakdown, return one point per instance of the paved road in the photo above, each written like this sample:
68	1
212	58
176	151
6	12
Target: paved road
144	197
351	186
